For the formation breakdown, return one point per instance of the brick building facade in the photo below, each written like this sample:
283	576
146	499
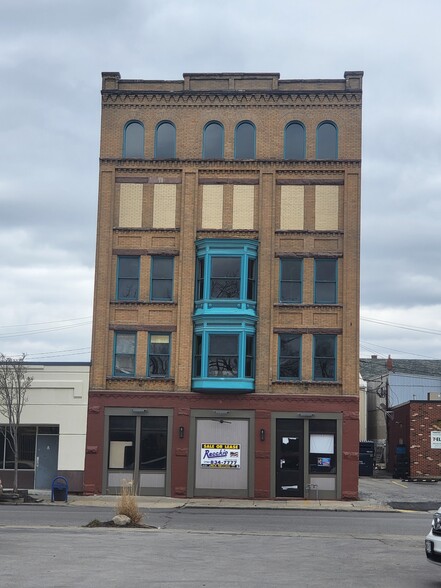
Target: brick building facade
226	310
416	427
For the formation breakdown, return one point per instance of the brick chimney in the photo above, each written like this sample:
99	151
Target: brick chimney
389	363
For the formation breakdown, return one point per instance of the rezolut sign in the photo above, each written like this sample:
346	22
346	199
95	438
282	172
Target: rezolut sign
220	455
435	439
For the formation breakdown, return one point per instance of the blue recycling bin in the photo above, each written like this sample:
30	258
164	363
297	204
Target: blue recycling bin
60	489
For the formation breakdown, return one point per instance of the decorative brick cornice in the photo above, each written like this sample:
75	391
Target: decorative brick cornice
153	167
225	99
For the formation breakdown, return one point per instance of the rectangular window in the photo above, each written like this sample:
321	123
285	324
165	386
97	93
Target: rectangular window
124	354
127	278
153	447
291	280
289	356
122	435
324	357
251	287
225	277
249	357
197	362
26	449
325	281
161	279
322	446
200	279
159	355
223	356
2	447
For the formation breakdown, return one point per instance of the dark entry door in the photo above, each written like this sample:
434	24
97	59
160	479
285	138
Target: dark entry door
47	461
289	458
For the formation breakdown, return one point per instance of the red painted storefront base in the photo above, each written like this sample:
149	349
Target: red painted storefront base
262	405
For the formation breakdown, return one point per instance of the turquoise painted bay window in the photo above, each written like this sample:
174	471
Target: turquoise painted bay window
224	360
226	278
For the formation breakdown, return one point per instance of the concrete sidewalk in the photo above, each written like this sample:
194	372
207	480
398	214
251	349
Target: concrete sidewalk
162	502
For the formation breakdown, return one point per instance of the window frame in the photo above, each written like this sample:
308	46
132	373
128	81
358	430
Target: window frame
253	126
244	381
153	279
116	334
119	278
318	141
299	357
156	147
334	281
315	358
282	281
165	375
285	142
222	139
206	251
124	150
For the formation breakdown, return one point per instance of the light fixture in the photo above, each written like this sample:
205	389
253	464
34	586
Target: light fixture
181	432
262	434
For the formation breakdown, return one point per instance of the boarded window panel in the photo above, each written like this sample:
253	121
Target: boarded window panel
164	206
212	207
243	207
326	208
130	207
292	208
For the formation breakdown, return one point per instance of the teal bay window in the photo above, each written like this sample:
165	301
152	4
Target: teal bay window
225	315
226	276
224	360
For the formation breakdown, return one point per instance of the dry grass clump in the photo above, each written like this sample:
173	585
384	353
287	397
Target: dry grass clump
127	504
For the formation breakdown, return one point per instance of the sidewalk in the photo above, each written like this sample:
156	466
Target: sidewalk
162	502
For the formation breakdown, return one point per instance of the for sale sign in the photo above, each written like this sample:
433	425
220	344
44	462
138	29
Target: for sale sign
220	455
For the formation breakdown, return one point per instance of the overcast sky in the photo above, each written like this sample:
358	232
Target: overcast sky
52	53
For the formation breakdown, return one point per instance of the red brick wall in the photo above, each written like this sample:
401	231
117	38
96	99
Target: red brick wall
413	422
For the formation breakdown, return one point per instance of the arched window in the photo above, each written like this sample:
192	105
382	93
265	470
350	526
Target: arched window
165	141
294	141
327	141
133	145
245	141
213	141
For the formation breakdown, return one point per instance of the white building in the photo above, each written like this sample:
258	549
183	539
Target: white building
52	436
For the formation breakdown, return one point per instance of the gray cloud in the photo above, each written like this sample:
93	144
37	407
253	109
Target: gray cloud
52	53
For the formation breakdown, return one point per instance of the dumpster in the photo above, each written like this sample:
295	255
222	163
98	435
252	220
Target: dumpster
366	458
60	489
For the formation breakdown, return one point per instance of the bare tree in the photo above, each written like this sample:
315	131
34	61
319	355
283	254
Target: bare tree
14	384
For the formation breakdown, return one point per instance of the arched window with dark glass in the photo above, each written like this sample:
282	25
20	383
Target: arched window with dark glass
245	141
213	141
327	141
133	145
165	141
294	141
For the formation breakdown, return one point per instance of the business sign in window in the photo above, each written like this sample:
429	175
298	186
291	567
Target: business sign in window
220	455
435	439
